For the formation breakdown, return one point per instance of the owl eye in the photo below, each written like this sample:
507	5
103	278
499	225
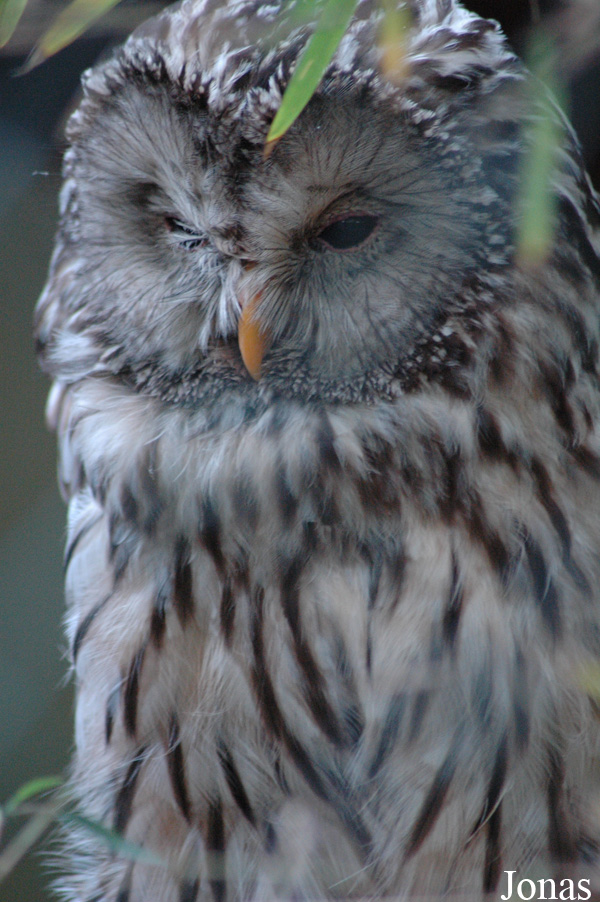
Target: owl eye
351	231
186	236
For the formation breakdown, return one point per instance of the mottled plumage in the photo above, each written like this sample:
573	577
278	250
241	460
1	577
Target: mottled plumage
330	627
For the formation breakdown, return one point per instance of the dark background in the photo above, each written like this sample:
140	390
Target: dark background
35	698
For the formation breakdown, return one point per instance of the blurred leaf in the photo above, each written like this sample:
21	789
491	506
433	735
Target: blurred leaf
392	39
537	203
115	842
30	789
305	11
68	25
589	680
312	64
42	816
10	15
26	838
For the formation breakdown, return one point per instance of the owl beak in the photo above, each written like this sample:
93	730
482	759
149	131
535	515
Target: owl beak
252	338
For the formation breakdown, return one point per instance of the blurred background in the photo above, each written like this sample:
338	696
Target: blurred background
35	696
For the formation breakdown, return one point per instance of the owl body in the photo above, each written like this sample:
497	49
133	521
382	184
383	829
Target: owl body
331	625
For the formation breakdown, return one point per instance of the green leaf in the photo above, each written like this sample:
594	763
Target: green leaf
68	25
10	15
589	680
26	838
30	789
304	11
537	203
115	842
393	39
312	64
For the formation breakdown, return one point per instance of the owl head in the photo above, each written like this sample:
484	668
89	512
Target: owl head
189	262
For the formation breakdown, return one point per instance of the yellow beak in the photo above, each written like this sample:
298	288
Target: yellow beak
252	339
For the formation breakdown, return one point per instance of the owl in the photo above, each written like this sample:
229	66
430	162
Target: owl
331	453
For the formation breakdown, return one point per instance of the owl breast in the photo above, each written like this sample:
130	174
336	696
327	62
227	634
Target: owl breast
315	618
